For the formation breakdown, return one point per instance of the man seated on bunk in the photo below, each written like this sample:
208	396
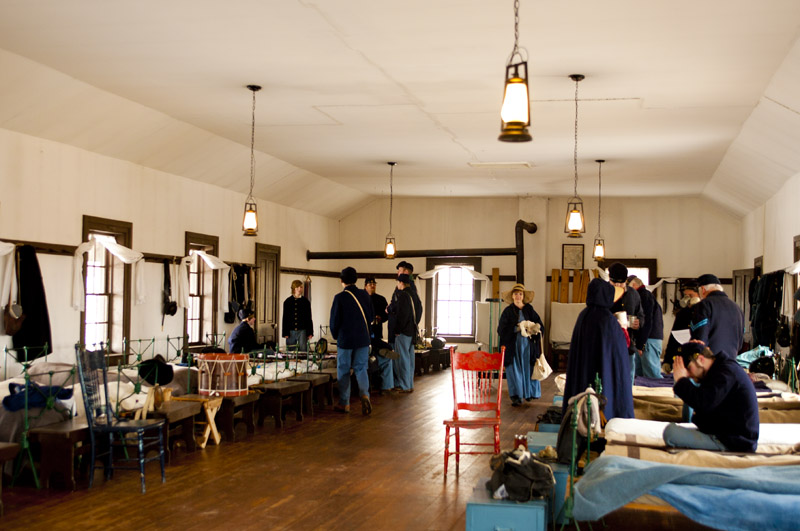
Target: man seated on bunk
723	399
243	337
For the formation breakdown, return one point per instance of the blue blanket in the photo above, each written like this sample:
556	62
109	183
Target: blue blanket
764	498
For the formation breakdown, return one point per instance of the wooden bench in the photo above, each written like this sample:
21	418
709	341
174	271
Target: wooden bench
60	443
321	388
180	422
210	405
231	405
333	373
8	451
276	395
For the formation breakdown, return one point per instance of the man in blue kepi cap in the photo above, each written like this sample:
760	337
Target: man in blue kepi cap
717	321
723	399
351	314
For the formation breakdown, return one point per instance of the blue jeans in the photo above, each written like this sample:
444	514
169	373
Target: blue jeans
649	363
405	364
357	359
298	338
387	372
680	437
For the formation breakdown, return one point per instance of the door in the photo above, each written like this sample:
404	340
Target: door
741	295
268	265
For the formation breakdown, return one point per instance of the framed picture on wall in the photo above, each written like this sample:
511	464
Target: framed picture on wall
572	256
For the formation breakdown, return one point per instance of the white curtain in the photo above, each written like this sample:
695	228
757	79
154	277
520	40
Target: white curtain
218	266
476	275
127	256
8	276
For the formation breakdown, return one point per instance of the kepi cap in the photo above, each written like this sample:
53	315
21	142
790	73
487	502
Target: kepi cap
617	272
349	275
708	278
405	279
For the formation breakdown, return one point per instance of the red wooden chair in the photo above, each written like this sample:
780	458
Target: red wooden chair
477	387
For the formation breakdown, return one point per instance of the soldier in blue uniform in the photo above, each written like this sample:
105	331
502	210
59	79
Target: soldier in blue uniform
717	321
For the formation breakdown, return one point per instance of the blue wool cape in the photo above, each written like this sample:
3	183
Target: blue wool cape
598	346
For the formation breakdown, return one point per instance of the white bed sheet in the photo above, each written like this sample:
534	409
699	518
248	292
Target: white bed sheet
563	316
772	438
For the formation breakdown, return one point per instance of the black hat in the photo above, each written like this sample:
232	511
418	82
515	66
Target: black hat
349	275
369	280
688	284
708	278
405	279
405	264
617	272
690	351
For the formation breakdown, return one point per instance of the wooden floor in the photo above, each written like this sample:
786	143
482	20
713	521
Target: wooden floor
332	471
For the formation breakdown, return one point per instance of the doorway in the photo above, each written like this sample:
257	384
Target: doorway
268	265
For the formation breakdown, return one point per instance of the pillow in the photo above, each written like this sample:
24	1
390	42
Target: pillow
40	373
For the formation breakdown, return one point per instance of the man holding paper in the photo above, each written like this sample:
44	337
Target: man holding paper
717	321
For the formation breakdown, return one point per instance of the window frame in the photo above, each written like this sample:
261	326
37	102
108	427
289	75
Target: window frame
430	299
122	231
651	264
209	244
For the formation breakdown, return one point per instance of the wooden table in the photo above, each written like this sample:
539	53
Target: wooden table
230	406
321	387
8	451
59	446
180	421
422	362
275	395
210	405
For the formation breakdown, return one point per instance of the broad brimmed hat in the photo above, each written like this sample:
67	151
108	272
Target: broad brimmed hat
527	296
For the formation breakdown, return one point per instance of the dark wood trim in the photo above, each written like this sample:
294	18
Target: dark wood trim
429	253
45	248
650	263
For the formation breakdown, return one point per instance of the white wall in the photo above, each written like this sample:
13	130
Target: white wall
770	229
46	188
687	235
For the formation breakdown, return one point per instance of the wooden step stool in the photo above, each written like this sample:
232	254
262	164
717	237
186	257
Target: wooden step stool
210	406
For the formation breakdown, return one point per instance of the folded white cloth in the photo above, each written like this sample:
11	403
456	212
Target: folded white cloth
529	328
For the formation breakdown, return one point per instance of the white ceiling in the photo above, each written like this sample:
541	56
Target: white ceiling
681	97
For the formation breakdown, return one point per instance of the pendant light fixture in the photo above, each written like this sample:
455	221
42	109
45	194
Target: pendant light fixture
250	221
390	249
599	252
515	114
574	225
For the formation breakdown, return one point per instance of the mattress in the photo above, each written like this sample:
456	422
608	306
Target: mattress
662	405
773	438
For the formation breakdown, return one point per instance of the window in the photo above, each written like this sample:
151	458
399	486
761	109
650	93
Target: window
107	284
644	268
796	285
451	297
201	314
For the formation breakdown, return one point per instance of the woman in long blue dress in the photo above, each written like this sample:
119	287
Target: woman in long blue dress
521	352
